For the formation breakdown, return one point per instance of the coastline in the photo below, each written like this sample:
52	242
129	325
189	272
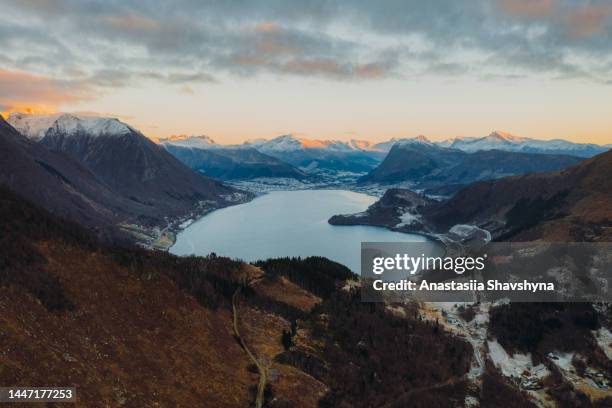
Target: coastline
163	238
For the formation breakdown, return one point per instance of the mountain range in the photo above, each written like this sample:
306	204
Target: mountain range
280	332
310	156
569	205
427	165
142	171
498	140
202	154
145	185
306	156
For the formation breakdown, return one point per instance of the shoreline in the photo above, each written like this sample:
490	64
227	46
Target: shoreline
162	239
361	201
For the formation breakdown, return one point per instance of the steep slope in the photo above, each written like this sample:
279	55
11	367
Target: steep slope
113	323
229	163
134	167
140	328
572	204
427	165
412	161
61	184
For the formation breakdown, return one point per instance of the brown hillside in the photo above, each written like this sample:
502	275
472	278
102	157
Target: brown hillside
569	205
138	328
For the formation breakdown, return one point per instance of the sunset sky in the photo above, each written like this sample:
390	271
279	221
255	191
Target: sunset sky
237	70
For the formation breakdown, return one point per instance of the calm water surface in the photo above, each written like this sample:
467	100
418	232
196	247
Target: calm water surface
286	223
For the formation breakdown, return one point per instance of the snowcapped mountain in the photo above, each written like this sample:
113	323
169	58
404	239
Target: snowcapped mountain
72	125
361	144
505	141
196	142
315	155
127	162
32	126
227	162
35	127
290	143
496	140
429	166
61	184
420	139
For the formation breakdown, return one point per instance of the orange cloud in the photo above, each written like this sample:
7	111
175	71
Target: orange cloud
133	23
266	27
528	8
22	91
589	20
30	109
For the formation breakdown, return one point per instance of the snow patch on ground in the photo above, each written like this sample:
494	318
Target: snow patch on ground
563	361
516	365
185	224
604	340
408	219
468	231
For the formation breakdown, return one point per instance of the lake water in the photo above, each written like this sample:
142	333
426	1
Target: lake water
287	223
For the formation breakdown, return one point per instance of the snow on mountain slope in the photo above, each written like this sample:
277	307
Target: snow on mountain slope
196	142
387	145
35	127
71	125
414	140
290	143
496	140
32	126
361	144
505	141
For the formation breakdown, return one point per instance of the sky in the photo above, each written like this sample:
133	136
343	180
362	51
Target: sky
237	70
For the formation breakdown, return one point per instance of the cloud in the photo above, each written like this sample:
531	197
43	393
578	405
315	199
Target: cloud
175	78
21	88
528	8
118	44
590	20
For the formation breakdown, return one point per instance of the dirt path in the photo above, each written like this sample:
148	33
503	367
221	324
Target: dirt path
261	368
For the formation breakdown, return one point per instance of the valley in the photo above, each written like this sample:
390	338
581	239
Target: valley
259	244
306	204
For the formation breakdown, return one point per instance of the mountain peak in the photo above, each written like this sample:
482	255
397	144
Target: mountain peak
201	141
290	142
422	139
505	136
32	126
360	144
35	127
91	125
